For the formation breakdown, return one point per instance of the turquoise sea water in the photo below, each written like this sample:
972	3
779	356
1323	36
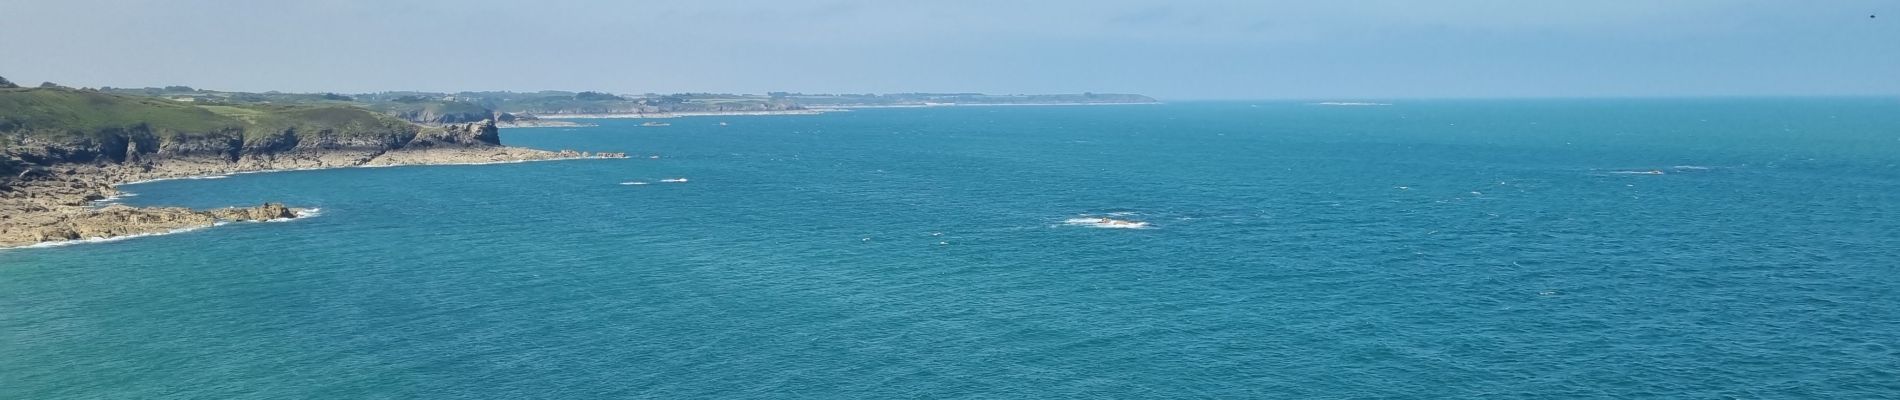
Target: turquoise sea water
1430	249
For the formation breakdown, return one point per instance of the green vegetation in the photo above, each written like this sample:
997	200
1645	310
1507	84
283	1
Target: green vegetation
274	120
59	111
596	96
68	113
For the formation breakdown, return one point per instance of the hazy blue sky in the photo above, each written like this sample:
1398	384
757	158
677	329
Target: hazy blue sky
1169	49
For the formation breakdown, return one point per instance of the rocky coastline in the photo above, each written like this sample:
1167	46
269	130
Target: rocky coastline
510	120
54	202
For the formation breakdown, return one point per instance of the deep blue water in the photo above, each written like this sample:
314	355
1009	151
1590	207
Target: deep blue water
1431	249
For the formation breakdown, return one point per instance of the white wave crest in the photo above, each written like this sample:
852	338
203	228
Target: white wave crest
113	199
301	214
63	243
1106	223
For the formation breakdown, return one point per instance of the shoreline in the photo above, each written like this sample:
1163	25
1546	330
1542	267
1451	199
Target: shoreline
73	205
267	171
110	239
683	114
929	105
814	110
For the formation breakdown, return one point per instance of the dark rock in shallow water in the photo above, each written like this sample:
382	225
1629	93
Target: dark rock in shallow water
266	212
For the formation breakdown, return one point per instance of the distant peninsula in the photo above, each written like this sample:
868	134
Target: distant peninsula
547	108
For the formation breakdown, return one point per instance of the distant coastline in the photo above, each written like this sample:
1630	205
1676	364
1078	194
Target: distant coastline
679	114
527	109
542	123
1006	105
809	111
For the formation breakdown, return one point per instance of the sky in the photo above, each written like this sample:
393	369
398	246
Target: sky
1174	50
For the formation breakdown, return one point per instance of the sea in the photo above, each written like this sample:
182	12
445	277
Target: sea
1722	248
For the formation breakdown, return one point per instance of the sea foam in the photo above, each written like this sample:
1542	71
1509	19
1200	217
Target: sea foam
1105	223
63	243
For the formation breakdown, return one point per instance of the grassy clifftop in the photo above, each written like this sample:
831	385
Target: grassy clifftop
58	113
52	126
265	120
55	111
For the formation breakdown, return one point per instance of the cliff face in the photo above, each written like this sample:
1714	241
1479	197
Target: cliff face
23	154
43	128
48	200
481	133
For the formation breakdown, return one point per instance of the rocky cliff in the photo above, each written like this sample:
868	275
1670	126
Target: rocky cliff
433	111
61	149
24	155
436	117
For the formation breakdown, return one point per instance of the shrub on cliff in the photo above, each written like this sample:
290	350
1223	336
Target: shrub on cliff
596	96
10	167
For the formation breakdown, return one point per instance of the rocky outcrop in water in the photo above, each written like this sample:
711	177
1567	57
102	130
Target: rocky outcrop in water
118	220
266	212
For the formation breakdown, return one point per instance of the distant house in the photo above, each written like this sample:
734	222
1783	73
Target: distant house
184	98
